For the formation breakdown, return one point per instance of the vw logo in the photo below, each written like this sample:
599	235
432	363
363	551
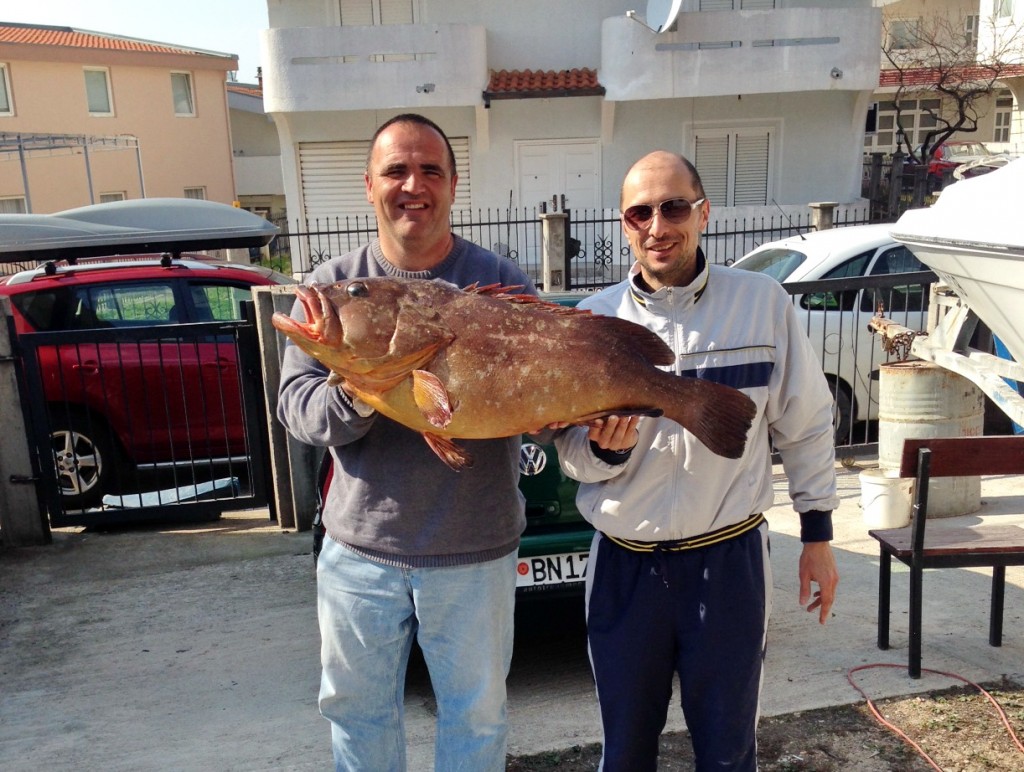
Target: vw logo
532	459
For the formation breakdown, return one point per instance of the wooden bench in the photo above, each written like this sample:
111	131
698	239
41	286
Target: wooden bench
997	546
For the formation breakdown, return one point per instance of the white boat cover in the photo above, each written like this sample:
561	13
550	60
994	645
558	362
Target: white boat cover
973	238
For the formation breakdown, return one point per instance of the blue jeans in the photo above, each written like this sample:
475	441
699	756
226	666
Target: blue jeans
462	617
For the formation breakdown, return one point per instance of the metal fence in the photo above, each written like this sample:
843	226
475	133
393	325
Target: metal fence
597	253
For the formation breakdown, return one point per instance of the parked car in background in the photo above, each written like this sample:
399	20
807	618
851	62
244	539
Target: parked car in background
158	401
952	155
837	322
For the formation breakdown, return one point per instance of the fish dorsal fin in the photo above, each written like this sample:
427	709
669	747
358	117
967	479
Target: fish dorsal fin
431	398
496	290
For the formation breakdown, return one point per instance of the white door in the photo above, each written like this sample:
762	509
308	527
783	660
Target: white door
563	175
569	168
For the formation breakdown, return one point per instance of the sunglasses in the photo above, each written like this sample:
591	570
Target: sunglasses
675	210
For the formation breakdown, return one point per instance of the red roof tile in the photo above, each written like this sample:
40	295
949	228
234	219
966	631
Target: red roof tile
928	76
526	83
42	35
248	90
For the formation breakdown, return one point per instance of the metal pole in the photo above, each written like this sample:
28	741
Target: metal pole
88	169
24	174
138	160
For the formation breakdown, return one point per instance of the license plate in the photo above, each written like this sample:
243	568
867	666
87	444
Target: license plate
551	569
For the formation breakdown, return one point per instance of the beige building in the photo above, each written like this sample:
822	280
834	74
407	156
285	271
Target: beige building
87	117
257	150
987	30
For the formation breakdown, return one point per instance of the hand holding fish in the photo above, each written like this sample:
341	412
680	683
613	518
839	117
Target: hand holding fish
616	433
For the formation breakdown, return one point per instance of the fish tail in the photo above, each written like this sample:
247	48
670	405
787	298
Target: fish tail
717	415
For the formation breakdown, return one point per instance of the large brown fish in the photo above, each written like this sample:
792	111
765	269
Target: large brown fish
481	363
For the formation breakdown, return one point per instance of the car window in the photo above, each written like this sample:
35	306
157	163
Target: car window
831	301
908	297
896	260
123	305
779	263
45	311
219	302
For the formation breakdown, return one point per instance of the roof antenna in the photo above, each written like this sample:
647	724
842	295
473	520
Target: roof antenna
789	220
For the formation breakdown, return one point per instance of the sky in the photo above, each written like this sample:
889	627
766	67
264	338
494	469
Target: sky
224	26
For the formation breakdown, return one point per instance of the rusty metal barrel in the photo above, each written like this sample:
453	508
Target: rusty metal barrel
924	400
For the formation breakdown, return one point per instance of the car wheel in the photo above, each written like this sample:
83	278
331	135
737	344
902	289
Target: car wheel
85	461
842	412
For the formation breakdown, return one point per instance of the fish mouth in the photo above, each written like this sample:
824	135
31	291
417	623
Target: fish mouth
322	324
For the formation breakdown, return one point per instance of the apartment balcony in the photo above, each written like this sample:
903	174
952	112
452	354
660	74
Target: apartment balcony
368	68
715	53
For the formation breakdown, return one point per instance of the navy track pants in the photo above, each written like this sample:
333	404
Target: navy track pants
699	613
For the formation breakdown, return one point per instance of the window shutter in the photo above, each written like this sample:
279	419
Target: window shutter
356	13
396	12
333	184
751	177
365	13
711	157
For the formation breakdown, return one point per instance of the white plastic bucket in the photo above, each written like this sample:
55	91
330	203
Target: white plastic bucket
885	498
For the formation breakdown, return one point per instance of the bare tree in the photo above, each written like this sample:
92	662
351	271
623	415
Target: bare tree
940	54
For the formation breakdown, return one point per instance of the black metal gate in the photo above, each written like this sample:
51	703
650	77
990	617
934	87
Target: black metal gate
147	424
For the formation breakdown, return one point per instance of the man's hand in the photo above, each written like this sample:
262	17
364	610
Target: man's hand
818	565
615	432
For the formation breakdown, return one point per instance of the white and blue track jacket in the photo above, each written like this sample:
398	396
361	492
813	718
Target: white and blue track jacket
738	328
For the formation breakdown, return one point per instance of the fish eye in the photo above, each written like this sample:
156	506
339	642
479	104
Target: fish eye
357	290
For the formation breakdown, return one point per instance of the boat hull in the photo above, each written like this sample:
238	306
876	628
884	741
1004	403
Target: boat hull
973	238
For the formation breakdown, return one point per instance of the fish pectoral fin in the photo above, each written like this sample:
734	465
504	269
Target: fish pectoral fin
384	373
431	398
650	412
455	457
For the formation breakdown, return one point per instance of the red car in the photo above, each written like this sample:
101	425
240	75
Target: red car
140	402
950	155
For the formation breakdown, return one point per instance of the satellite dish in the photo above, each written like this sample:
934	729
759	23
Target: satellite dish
661	14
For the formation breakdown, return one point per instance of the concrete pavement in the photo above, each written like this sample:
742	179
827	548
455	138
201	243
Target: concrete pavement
196	647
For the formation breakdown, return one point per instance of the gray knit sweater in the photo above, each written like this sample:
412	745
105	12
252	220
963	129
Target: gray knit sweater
392	499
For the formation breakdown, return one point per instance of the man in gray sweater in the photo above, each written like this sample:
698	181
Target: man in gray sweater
414	549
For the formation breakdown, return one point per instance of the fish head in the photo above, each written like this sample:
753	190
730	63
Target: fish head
359	326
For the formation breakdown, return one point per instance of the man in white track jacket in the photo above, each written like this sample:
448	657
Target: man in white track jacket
679	580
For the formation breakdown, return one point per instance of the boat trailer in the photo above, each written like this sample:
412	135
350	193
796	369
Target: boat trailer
951	326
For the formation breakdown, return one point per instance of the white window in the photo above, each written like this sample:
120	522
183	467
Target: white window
117	195
904	34
97	91
971	31
197	193
735	165
181	91
12	205
1004	8
6	105
1003	116
916	118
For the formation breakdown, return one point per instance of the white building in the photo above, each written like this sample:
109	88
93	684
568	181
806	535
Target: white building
558	98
